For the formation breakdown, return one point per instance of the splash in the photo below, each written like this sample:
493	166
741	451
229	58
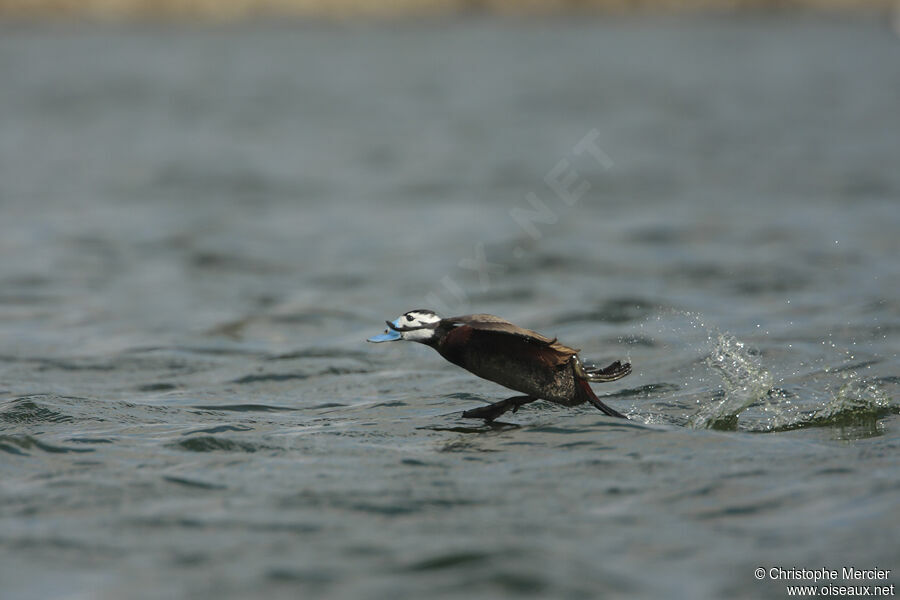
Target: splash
745	395
745	382
854	410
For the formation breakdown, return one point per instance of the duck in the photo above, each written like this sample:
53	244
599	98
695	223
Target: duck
536	366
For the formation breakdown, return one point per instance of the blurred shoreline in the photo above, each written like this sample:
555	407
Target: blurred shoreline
232	10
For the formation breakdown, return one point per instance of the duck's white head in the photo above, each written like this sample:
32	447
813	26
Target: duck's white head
414	326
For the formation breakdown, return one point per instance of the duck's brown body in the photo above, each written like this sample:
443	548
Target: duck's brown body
521	359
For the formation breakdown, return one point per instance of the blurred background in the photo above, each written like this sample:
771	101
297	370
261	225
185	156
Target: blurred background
240	9
206	207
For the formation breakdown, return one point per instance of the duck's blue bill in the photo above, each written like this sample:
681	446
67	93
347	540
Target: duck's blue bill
387	336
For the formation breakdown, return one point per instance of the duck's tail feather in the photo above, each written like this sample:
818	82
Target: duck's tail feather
611	373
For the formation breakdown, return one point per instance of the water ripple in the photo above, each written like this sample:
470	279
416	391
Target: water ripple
19	444
244	407
25	410
209	443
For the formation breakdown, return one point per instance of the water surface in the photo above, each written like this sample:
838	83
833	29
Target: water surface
200	228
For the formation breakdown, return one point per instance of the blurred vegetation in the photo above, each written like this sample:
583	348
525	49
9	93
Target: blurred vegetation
227	10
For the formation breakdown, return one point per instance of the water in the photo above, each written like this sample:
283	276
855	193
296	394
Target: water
200	228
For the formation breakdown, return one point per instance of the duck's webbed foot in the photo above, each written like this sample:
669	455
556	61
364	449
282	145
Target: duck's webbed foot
492	411
611	373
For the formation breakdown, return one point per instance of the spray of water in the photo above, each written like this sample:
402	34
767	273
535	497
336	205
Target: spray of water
745	382
748	397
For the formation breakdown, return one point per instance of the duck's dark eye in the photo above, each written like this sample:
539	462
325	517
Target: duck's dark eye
409	317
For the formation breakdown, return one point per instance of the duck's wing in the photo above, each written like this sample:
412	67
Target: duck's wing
552	349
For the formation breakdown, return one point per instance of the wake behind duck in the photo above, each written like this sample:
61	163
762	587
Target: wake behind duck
497	350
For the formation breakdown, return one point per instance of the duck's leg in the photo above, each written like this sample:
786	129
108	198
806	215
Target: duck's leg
492	411
586	393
